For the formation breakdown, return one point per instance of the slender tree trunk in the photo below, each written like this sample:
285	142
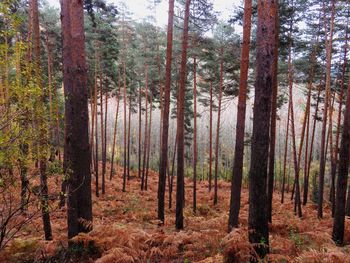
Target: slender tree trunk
172	173
297	203
210	133
125	125
181	124
115	130
271	164
257	219
97	192
102	136
145	132
140	133
341	95
306	184
325	113
129	131
218	131
285	155
149	140
339	215
77	149
194	135
105	140
41	123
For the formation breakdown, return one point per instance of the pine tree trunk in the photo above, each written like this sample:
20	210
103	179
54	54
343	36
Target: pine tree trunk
77	149
125	124
210	133
129	131
237	172
97	192
218	131
306	184
285	155
140	133
271	164
165	119
257	219
41	123
339	215
115	130
149	141
181	124
105	140
145	133
102	136
194	135
325	114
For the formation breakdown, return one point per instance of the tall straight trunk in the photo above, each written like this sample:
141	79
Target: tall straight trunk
129	131
181	123
145	132
97	191
194	134
102	136
125	124
77	149
210	133
285	155
325	113
257	219
296	160
343	166
306	123
165	120
218	131
140	133
172	173
105	139
115	129
41	123
331	153
341	95
92	129
149	140
271	164
306	184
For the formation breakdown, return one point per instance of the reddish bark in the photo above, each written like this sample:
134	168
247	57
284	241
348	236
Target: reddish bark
181	123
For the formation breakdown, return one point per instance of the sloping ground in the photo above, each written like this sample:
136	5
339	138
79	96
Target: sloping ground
126	230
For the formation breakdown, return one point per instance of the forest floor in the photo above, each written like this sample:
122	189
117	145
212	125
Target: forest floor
125	230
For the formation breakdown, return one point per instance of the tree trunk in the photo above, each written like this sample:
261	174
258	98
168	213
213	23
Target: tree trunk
102	136
271	164
129	131
76	118
306	184
140	133
237	172
258	220
181	123
145	132
210	133
218	131
105	140
125	124
115	130
339	215
285	155
325	113
165	120
149	140
41	123
194	135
